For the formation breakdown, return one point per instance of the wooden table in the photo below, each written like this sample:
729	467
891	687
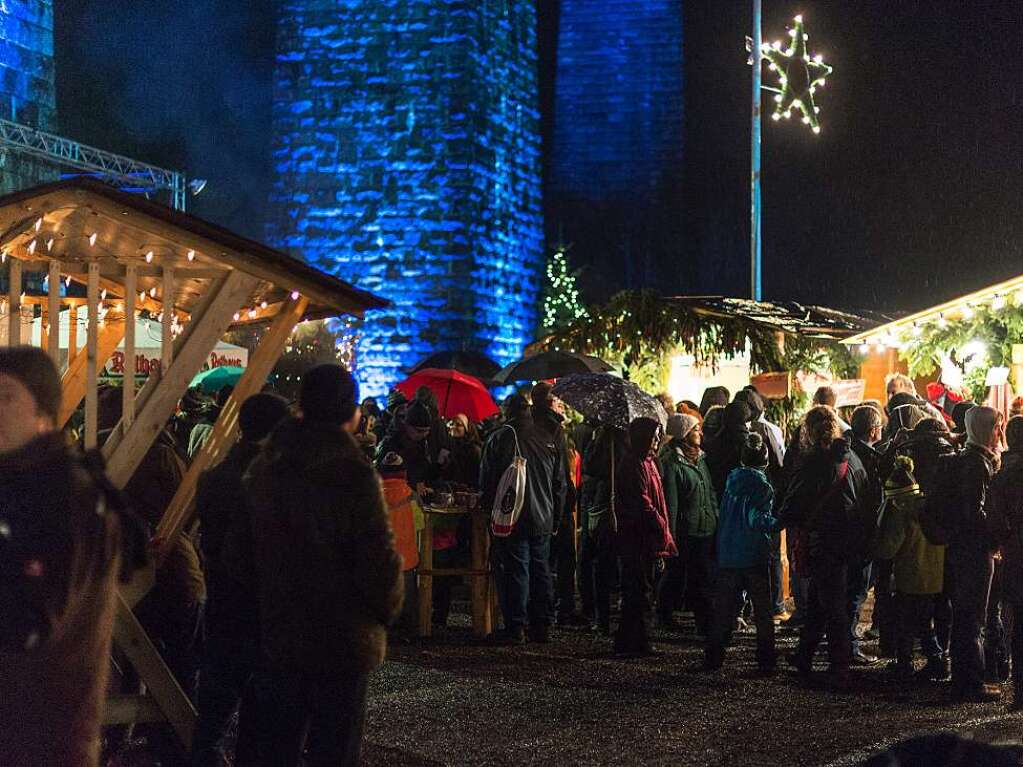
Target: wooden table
482	591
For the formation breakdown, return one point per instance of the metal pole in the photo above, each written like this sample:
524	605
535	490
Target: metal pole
754	238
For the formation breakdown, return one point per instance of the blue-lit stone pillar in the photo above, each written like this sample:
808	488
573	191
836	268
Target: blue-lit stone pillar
617	149
407	160
27	86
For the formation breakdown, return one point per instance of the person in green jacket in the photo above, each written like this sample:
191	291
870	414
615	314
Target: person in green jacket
693	517
919	567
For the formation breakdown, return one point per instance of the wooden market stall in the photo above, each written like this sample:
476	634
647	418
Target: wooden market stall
967	336
83	248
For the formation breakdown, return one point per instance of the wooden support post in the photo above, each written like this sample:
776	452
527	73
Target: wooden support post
125	455
72	339
91	362
73	384
482	615
131	638
14	302
53	313
128	384
221	438
425	580
167	323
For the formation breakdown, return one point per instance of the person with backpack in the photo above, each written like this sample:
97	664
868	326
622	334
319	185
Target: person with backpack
824	504
644	539
963	514
746	542
521	555
1005	516
919	568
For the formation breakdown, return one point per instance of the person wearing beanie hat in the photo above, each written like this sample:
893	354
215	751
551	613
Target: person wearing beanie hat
746	545
57	599
231	650
918	566
326	571
411	437
969	551
30	396
692	520
1006	521
330	395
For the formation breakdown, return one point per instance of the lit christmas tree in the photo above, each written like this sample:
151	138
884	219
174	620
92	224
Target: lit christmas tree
561	304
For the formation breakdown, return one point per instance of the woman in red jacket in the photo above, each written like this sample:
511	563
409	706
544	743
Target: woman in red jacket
644	538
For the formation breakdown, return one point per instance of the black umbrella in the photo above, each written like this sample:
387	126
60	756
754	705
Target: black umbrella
608	399
471	363
547	365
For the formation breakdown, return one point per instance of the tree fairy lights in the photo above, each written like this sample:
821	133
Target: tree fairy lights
561	304
799	74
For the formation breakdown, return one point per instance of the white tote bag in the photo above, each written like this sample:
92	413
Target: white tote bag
511	494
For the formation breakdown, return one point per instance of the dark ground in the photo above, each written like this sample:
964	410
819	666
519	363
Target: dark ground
450	701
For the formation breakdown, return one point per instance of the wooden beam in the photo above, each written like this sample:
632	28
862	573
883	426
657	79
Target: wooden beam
53	326
73	381
167	321
222	437
13	302
131	709
128	385
91	361
131	638
72	345
125	457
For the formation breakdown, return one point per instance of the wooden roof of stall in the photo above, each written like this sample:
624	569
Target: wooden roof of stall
786	316
82	220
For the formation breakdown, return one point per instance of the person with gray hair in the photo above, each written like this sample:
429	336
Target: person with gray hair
970	554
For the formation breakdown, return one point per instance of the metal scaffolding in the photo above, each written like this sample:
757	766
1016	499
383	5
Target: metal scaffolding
73	154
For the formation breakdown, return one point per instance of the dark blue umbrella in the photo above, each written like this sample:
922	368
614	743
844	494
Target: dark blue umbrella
608	399
475	364
546	366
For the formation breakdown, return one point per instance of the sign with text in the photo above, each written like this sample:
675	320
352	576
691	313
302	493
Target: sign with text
850	392
148	360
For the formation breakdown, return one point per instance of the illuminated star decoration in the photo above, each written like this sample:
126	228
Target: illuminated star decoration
799	74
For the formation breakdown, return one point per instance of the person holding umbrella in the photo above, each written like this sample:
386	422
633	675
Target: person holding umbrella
644	538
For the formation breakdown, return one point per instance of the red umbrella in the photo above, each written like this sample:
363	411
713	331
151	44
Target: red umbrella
456	393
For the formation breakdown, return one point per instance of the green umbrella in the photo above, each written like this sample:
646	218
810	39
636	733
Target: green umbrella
213	380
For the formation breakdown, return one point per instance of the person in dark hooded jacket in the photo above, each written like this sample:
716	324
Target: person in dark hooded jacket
1005	519
824	502
597	561
713	396
522	559
724	447
327	574
65	537
411	436
644	538
231	649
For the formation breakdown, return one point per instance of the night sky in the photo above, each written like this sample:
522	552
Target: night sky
908	196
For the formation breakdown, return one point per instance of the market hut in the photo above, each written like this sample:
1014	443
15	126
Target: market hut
684	344
972	343
96	258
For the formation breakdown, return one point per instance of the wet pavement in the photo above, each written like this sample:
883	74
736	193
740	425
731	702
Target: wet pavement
452	701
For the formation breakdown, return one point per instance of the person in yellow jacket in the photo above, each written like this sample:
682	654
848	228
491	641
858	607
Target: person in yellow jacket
919	568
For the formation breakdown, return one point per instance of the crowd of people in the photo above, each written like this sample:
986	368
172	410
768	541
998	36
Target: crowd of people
277	602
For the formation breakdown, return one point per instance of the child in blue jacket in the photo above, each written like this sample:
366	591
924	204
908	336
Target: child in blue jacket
746	530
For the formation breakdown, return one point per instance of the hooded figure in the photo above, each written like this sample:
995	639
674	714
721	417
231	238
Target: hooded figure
713	395
644	538
725	447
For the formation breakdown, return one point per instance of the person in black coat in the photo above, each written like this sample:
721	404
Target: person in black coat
604	451
522	559
823	502
724	447
970	554
327	574
231	651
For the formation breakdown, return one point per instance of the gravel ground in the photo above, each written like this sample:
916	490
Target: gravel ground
452	701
